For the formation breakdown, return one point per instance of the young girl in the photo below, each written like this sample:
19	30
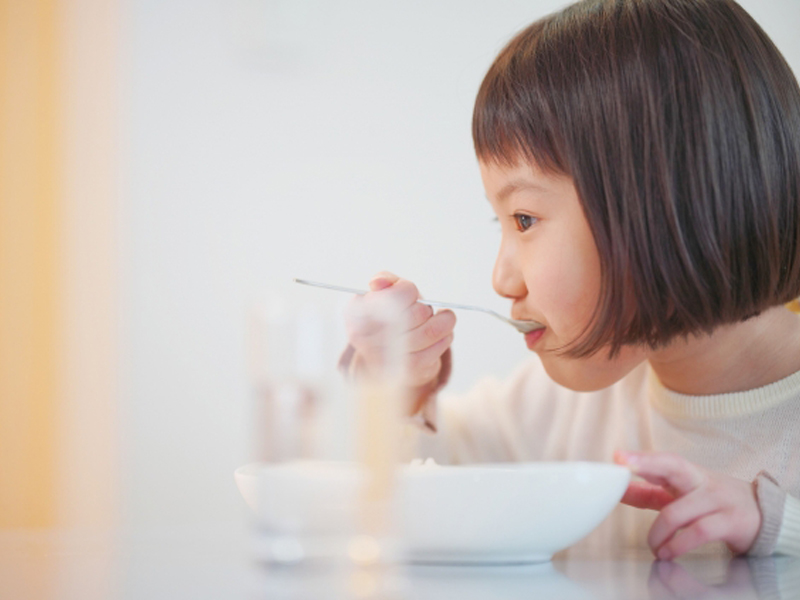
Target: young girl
643	160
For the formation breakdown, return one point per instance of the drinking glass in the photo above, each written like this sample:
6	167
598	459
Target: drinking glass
330	443
301	427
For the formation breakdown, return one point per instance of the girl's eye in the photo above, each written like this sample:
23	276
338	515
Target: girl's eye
524	222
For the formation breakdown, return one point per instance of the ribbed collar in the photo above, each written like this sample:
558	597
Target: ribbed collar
722	406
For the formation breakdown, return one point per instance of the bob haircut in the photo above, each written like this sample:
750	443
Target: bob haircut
679	123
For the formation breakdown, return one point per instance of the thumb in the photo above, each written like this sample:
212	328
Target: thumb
383	280
641	494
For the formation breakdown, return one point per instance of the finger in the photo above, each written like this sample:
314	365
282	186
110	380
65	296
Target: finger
642	494
423	329
366	320
402	292
417	314
382	280
424	366
679	514
706	529
676	474
431	331
360	327
364	312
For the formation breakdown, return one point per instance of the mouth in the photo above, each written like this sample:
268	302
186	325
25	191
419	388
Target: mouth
527	325
533	336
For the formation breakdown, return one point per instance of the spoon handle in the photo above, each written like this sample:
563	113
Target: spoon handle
521	326
434	303
328	286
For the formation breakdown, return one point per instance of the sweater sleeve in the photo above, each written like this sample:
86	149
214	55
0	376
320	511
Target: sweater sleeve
423	404
789	537
771	499
780	519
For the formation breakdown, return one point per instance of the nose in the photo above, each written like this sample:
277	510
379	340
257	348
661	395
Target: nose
507	278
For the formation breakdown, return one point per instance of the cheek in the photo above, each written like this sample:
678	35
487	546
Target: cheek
573	287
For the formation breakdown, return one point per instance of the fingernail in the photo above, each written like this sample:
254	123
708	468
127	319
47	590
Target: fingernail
628	459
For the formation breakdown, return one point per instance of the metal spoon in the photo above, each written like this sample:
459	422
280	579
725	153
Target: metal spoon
519	325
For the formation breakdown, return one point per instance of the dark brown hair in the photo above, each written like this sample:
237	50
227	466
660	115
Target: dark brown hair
679	124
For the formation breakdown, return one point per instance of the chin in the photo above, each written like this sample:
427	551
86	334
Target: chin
588	374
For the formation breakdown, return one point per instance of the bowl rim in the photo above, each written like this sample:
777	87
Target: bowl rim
254	469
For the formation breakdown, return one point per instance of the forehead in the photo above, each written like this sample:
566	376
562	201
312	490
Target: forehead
500	181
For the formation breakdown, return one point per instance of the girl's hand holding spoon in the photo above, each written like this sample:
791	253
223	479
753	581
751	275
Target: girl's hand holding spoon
428	336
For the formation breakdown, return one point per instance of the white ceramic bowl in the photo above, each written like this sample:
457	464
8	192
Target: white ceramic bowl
501	513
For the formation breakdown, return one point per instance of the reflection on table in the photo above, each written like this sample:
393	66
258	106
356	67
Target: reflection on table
217	563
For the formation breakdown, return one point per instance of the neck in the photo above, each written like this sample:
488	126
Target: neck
734	358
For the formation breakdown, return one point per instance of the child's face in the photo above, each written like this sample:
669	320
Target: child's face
549	267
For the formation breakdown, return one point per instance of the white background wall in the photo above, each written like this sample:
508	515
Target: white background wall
271	139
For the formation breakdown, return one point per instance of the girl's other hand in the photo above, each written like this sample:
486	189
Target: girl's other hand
697	506
428	335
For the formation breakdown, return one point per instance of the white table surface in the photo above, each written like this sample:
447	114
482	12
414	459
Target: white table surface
217	563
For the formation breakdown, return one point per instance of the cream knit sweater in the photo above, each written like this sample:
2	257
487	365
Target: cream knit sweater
531	418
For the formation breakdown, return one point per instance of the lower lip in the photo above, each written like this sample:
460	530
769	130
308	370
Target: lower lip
533	337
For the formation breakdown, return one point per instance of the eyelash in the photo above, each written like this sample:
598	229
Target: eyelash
518	220
517	217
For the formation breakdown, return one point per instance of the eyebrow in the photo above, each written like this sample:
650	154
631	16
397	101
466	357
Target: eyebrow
516	185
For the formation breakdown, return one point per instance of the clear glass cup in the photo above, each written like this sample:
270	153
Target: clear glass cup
301	428
328	445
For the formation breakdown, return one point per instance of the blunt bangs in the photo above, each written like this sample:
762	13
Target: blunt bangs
679	124
513	118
